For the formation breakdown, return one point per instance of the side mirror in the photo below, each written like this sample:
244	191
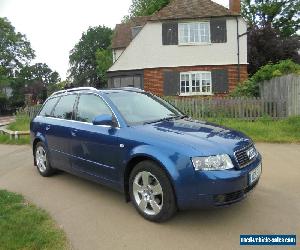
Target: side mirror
103	120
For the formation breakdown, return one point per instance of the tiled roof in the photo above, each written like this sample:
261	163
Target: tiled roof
176	9
122	35
190	9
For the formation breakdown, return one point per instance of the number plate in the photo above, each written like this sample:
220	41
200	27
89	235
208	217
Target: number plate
251	153
254	174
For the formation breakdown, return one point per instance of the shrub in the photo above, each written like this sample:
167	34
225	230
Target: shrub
250	87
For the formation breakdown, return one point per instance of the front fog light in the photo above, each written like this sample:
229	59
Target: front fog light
216	162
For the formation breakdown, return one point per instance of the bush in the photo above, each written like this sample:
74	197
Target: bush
3	99
3	102
250	87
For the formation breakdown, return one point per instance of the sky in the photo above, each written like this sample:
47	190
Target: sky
53	27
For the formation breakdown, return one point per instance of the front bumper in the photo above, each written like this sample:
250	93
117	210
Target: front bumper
218	188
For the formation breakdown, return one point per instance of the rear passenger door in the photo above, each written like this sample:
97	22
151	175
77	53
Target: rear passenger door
58	133
95	148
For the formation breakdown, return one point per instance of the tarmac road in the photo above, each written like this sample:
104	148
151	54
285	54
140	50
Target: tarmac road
95	217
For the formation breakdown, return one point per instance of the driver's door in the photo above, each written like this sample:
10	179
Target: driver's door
95	148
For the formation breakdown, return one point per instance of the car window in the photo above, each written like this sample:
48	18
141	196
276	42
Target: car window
48	106
89	107
139	108
64	108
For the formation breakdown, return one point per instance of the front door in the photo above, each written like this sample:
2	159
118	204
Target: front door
95	149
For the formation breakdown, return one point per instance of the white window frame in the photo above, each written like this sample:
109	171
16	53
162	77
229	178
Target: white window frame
190	85
181	34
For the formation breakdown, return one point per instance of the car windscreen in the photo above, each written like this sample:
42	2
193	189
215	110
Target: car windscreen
141	108
48	106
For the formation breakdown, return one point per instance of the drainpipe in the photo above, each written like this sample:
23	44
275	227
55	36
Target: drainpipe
238	50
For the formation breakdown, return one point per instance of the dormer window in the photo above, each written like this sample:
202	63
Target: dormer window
135	30
194	33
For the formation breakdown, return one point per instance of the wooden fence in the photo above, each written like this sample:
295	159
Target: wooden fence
31	111
284	88
243	108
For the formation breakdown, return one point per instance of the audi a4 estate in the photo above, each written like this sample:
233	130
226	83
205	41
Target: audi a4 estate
142	146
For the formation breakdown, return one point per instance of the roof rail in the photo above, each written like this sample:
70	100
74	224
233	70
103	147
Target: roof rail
73	89
130	89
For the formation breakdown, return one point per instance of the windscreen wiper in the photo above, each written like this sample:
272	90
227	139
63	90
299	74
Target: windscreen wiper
167	119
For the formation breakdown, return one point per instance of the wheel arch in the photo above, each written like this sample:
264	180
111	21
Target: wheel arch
144	157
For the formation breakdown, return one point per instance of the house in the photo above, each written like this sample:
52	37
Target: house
189	47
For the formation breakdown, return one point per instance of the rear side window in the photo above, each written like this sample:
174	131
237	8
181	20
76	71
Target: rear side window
49	105
64	108
89	107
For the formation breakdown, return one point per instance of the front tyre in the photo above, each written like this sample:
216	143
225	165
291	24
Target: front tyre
151	192
42	161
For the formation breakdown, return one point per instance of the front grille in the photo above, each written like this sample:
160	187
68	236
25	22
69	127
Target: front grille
243	158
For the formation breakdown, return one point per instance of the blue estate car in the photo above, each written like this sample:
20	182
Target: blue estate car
139	144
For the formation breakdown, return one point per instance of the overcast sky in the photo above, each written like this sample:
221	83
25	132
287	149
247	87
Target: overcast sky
54	26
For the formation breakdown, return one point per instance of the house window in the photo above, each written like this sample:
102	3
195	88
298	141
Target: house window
194	33
195	83
126	81
135	31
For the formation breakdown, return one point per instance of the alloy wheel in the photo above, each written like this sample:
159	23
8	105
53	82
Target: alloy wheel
148	193
41	159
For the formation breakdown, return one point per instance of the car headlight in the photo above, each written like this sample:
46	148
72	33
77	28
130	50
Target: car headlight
216	162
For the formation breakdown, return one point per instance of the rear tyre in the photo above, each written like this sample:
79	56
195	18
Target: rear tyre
42	161
151	192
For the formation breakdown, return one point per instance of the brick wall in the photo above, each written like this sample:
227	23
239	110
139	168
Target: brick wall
153	78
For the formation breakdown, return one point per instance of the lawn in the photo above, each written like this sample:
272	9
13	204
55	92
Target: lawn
265	129
24	226
5	139
262	130
21	124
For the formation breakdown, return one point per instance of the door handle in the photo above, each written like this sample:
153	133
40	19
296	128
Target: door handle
48	127
73	132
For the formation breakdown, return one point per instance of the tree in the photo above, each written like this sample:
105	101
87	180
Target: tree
15	53
33	79
39	72
104	61
56	87
83	65
283	15
145	8
265	45
272	31
15	50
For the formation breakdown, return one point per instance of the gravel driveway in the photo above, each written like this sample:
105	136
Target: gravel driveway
95	217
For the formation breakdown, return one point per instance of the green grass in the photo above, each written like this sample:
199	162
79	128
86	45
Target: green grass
21	124
5	139
265	129
24	226
262	130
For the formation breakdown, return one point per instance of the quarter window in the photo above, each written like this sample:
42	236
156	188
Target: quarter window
194	33
64	108
89	107
195	83
48	106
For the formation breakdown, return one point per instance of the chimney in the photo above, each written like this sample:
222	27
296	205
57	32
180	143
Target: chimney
235	6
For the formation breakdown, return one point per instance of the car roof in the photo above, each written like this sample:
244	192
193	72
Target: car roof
92	89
